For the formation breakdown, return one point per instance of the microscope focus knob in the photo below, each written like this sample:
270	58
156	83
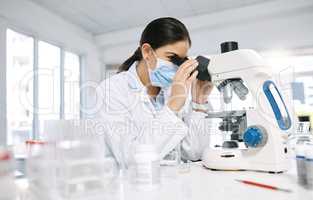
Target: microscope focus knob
255	136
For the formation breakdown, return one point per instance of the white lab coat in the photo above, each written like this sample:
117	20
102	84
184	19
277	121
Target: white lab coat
132	118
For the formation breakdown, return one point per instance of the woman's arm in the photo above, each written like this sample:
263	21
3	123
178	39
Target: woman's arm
199	128
125	129
199	134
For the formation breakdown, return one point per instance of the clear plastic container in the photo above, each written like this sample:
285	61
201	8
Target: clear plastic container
303	127
74	166
173	158
40	170
147	167
83	169
7	184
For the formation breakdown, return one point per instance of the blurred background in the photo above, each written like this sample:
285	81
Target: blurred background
54	53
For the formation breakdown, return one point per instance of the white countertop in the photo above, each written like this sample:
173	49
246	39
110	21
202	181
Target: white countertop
200	183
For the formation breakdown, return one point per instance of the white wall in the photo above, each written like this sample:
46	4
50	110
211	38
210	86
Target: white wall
271	25
27	17
2	86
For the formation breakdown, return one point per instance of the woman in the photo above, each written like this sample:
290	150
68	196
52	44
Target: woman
152	100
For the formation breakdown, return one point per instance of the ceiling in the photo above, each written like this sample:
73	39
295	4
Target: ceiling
102	16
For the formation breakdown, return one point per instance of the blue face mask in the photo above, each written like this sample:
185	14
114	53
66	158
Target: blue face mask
162	75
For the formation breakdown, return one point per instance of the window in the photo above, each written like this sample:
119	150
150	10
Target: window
302	66
19	96
71	86
48	82
43	83
304	92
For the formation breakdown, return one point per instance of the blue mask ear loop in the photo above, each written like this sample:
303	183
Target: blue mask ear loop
149	103
155	57
156	60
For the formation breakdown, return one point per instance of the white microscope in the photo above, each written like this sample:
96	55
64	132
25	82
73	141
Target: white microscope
261	128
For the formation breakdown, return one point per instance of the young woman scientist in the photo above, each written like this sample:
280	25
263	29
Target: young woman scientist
152	100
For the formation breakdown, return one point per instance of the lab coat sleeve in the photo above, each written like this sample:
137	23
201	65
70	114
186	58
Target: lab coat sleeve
173	130
124	130
198	137
114	112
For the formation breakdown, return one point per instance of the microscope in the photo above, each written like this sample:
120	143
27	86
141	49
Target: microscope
258	135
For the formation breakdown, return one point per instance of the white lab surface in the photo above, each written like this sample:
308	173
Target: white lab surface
134	118
201	183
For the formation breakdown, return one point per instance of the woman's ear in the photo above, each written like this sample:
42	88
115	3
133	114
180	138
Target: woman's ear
148	56
146	51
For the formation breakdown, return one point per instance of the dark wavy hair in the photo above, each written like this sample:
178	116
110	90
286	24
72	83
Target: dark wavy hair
158	33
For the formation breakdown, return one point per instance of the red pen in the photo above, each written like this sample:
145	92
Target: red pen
263	185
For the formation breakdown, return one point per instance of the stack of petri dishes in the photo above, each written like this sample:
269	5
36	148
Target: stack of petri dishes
74	167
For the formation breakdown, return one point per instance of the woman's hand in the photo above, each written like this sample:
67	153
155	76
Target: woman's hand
181	84
200	91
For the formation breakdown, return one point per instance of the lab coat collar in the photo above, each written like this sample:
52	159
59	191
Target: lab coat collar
134	82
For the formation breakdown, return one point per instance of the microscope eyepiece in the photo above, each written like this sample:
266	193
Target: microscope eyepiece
203	73
229	46
202	68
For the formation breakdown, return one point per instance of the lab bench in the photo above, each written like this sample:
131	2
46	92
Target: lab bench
196	182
